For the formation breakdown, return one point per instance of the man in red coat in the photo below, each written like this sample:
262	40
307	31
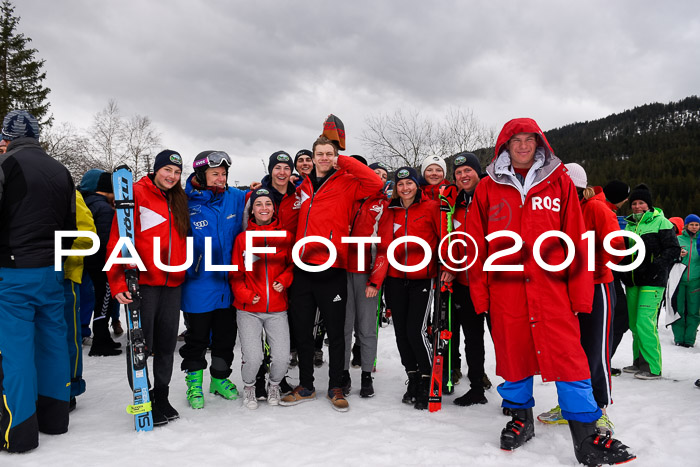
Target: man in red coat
526	197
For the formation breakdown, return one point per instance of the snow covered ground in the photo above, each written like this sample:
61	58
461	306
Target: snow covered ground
658	419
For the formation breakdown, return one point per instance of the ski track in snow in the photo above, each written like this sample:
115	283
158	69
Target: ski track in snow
657	419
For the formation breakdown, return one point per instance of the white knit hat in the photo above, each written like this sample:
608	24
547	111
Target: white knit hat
577	174
430	160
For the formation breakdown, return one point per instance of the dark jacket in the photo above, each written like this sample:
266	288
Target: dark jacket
37	198
662	250
102	214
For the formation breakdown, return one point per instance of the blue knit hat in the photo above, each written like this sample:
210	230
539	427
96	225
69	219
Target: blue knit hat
167	157
18	124
406	173
90	180
692	218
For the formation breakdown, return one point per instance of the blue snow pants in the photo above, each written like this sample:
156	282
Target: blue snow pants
34	373
575	398
71	311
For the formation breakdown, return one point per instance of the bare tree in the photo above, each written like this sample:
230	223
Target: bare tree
140	140
406	138
403	138
65	144
105	137
110	141
461	131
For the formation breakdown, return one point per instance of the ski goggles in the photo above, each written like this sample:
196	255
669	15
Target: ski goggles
215	159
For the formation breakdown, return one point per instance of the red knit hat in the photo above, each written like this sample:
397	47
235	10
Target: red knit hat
334	130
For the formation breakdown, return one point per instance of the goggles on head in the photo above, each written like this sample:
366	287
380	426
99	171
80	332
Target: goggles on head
215	159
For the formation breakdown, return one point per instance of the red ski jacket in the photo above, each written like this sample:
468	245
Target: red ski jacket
287	205
365	223
534	326
152	218
599	218
326	212
421	219
433	191
459	224
267	268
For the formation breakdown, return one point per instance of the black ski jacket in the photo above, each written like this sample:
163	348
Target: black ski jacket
37	198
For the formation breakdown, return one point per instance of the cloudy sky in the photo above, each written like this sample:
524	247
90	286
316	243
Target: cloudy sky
251	78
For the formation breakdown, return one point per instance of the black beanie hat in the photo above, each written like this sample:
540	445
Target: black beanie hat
259	193
359	158
616	191
167	157
468	159
379	165
406	172
279	157
641	192
104	183
303	152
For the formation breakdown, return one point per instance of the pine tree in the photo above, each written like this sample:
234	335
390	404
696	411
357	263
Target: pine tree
21	74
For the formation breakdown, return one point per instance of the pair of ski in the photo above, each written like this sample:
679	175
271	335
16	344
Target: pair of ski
123	183
442	311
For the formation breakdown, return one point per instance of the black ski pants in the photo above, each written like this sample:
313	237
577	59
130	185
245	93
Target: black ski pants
327	291
621	322
472	324
596	333
160	319
217	328
411	303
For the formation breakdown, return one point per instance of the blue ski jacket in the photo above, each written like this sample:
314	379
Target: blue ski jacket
218	216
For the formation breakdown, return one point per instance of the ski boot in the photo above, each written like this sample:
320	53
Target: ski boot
409	396
592	448
223	387
195	396
422	393
519	430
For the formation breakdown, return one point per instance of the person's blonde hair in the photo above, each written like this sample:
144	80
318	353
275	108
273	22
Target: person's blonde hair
588	192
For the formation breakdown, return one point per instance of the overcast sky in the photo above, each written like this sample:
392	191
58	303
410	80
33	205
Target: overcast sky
252	78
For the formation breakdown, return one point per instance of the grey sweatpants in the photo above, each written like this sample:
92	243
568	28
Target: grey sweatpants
361	316
250	328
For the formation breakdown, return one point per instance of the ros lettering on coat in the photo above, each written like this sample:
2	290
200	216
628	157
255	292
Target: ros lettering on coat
551	204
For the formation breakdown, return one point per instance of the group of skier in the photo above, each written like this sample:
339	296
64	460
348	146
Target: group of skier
271	303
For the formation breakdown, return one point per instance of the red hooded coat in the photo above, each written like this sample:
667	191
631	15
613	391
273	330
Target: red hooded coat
534	327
